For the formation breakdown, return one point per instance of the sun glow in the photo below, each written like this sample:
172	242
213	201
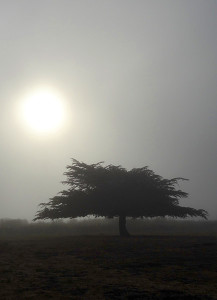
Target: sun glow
43	111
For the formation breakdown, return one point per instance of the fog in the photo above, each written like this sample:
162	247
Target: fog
16	228
138	80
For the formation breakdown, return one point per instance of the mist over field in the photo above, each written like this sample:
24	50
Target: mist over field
108	142
16	228
87	260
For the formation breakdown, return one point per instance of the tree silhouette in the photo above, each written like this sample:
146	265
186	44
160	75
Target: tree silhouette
112	191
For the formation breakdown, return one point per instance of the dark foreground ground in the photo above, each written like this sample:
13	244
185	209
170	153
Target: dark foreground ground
151	267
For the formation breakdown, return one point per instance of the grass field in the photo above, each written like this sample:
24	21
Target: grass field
109	267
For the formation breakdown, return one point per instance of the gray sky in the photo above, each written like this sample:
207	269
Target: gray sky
138	78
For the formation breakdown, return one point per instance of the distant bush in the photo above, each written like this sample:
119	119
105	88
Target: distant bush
10	228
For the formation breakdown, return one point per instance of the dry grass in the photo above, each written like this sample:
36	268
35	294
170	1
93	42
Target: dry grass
152	267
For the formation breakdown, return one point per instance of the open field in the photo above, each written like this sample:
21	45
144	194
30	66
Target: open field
11	228
109	267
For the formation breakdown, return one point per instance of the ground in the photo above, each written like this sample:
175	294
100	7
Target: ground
109	267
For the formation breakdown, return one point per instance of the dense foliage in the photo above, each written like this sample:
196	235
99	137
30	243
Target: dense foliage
113	191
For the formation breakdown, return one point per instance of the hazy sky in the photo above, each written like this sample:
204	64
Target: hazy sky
139	82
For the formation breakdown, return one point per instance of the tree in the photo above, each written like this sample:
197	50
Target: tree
112	191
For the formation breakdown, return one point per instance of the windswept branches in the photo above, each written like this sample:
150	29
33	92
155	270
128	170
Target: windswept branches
112	191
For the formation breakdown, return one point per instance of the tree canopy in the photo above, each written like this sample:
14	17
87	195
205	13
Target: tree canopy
112	191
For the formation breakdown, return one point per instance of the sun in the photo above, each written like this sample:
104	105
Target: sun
43	111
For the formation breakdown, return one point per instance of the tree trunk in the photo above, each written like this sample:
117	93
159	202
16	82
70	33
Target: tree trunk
122	226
